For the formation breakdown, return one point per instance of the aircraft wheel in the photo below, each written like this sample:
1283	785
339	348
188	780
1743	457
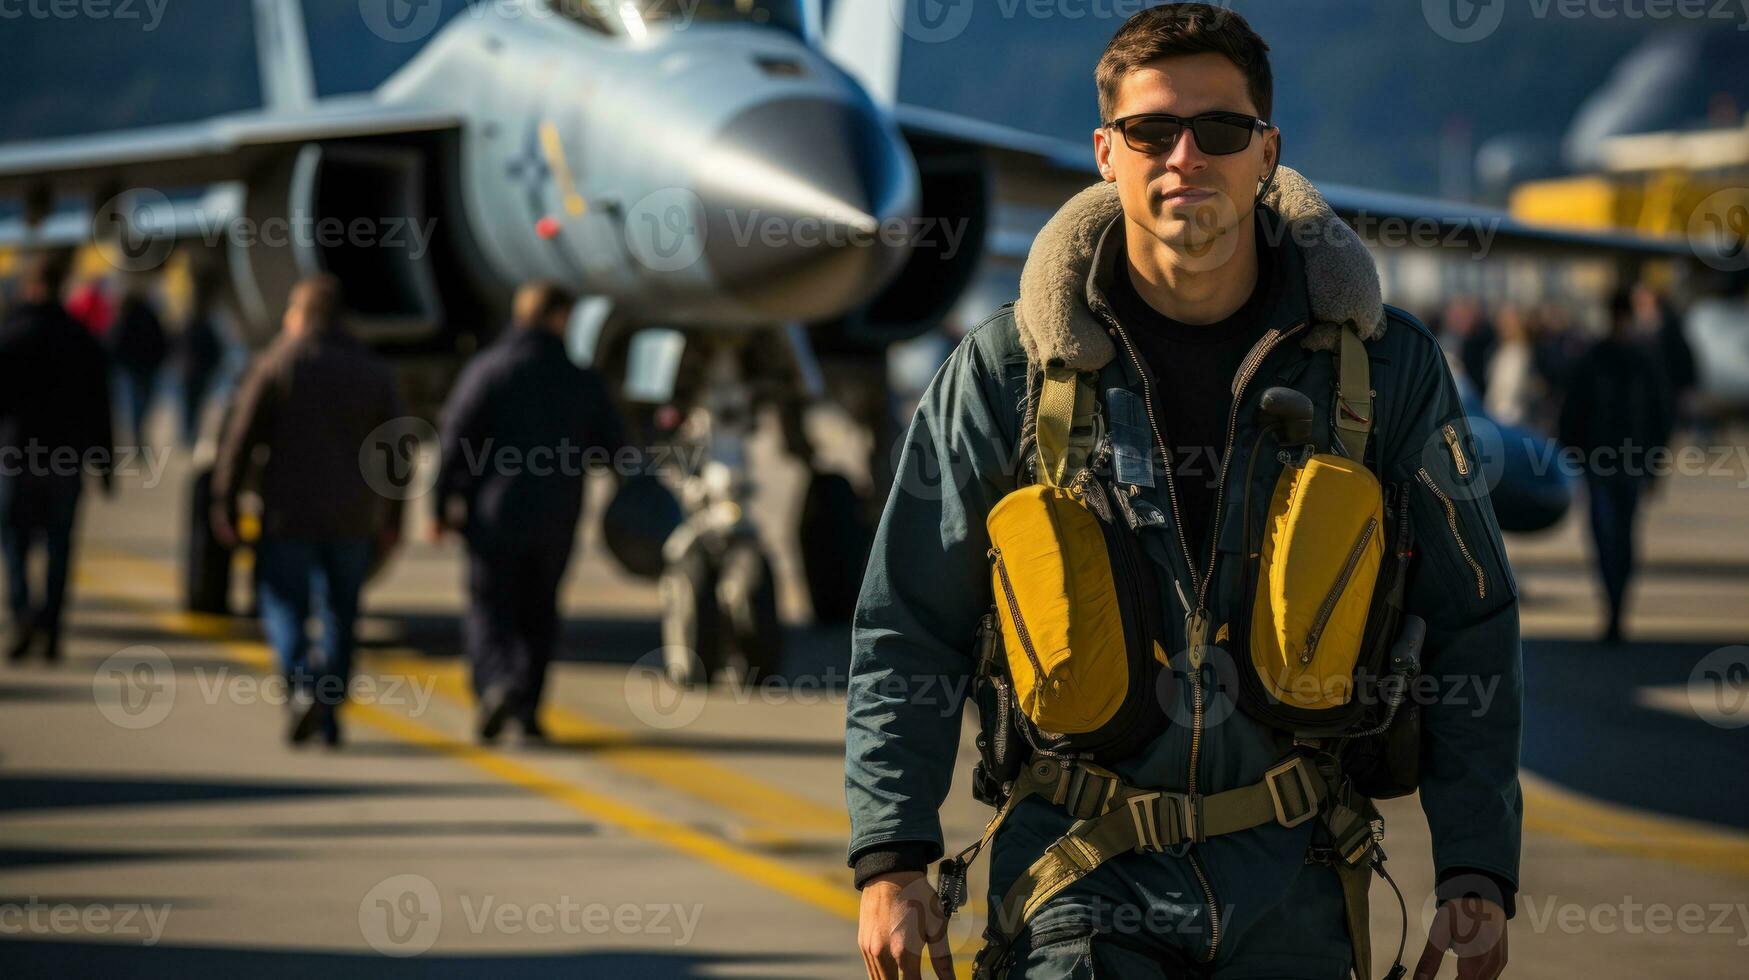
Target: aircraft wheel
692	622
834	546
747	592
206	565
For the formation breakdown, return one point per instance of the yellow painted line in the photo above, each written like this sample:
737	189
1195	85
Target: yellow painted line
823	894
829	895
770	808
777	814
1550	809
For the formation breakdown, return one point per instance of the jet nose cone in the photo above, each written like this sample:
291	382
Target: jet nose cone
808	206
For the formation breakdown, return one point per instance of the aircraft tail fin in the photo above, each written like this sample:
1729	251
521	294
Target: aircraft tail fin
282	49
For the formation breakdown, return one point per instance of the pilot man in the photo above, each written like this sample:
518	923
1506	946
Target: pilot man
518	432
1187	294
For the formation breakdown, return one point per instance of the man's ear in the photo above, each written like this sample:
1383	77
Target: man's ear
1102	154
1271	152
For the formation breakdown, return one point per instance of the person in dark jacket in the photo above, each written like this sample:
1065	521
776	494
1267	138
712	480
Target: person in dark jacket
137	348
198	353
312	401
54	428
1177	251
519	427
1619	409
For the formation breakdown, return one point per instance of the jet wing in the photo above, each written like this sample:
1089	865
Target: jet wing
192	154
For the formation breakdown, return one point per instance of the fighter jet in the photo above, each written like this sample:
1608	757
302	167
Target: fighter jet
752	213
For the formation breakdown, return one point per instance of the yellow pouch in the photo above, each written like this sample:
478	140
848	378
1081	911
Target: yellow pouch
1323	545
1057	602
1076	599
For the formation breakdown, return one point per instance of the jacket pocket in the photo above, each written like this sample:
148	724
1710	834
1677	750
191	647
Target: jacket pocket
1447	510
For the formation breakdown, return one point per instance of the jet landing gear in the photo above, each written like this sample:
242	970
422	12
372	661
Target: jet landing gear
718	594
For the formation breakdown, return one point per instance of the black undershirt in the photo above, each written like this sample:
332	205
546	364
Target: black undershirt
1192	367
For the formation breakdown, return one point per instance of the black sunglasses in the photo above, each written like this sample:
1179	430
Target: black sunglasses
1217	133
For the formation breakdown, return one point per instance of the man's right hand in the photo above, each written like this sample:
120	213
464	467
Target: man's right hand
902	917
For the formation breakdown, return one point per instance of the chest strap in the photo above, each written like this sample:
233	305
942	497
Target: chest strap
1113	818
1353	396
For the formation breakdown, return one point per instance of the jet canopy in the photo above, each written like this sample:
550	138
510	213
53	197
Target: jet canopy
635	18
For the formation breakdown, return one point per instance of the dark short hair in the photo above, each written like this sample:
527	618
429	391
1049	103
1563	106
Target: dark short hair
48	270
1177	29
319	297
539	299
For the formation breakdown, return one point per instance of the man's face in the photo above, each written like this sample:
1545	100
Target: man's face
1185	197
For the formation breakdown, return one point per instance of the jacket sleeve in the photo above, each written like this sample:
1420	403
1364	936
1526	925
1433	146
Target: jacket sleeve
464	426
1470	693
251	420
926	585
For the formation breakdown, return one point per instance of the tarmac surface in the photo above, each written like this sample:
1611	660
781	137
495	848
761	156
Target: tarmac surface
154	823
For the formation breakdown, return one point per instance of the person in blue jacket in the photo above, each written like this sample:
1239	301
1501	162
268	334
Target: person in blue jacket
1198	274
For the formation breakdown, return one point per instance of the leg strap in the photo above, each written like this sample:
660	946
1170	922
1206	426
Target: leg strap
1115	818
1356	883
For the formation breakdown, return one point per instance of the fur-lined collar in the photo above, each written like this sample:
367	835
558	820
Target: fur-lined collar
1055	322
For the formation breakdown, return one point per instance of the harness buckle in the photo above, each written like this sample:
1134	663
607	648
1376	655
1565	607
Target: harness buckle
1084	792
1295	800
1165	820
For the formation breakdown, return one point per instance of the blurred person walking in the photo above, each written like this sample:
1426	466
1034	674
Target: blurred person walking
1513	385
54	427
311	400
516	429
1617	411
198	354
137	347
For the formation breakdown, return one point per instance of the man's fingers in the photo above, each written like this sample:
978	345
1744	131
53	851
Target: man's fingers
1428	965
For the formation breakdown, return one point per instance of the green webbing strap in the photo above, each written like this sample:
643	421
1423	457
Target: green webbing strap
1124	819
1356	882
1065	425
1353	396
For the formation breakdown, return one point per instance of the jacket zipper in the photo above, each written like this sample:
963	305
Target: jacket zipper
1456	535
1329	605
1038	669
1196	620
1457	450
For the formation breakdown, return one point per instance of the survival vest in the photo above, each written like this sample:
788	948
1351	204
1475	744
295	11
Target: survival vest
1072	655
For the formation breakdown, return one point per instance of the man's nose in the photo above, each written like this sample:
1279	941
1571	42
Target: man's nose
1185	155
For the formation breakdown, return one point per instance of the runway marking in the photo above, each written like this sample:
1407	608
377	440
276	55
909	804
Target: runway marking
1551	809
829	896
678	769
1682	701
835	897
